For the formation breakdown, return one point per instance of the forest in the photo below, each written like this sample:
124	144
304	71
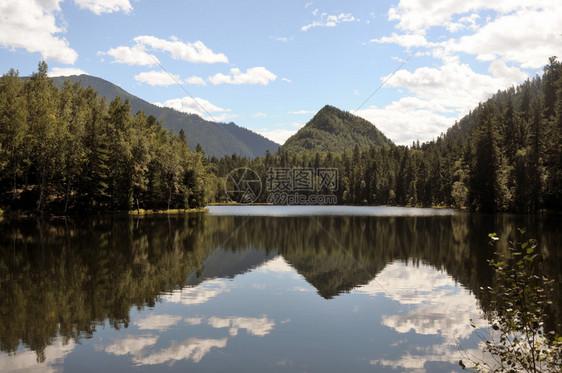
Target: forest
504	156
68	151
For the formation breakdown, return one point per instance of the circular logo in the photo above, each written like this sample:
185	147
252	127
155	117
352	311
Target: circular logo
242	185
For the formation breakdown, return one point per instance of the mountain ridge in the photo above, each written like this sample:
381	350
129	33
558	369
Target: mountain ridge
334	130
217	139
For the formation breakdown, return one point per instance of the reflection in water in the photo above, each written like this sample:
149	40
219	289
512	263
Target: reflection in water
131	345
190	349
435	305
177	288
254	326
157	322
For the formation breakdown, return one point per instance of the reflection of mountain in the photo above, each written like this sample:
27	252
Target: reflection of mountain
61	279
338	253
227	264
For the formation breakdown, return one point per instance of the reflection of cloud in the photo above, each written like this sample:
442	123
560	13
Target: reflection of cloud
441	307
27	360
416	362
437	306
194	320
301	289
157	322
449	315
277	264
132	344
254	326
191	349
198	294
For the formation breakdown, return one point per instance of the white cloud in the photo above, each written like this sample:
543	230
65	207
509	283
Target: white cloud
253	75
506	74
405	40
533	36
157	322
278	136
65	71
195	80
259	115
255	326
136	55
191	349
302	112
105	6
326	20
31	25
286	80
407	120
196	52
415	15
132	344
441	95
195	106
283	39
157	78
464	22
452	85
522	32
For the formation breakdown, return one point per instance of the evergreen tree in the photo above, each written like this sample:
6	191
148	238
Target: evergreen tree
486	161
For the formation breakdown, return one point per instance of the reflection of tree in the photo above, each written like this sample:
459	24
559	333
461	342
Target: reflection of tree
456	243
64	278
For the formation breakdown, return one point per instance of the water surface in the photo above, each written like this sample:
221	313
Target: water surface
253	289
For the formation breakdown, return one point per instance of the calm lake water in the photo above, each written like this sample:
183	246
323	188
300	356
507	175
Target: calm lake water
254	289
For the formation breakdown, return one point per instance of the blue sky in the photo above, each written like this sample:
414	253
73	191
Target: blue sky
270	65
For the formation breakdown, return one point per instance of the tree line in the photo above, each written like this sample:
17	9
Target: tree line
505	155
65	150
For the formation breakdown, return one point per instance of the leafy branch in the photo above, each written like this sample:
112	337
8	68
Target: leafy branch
516	340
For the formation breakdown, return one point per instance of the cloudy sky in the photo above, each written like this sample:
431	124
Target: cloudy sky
270	65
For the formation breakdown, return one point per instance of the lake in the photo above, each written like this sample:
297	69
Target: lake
255	288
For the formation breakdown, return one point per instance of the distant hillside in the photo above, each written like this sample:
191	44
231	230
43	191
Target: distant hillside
335	130
217	139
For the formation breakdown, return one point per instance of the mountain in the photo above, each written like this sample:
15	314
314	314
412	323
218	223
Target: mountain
217	139
335	130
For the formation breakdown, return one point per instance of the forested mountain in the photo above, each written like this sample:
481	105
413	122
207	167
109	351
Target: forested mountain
334	130
217	139
506	155
64	150
67	149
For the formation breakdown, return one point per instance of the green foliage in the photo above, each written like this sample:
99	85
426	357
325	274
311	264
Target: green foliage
218	139
506	155
334	130
65	150
517	340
